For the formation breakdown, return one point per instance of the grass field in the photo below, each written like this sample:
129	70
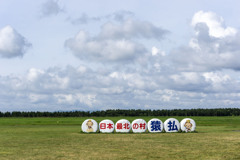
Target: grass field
61	138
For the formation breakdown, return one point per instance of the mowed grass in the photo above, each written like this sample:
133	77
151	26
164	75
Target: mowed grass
61	138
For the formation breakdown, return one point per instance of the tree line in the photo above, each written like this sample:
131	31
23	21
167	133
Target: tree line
131	112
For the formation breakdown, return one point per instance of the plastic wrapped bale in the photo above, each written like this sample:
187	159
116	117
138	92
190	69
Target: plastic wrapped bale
123	126
106	126
155	125
171	125
188	125
89	125
139	126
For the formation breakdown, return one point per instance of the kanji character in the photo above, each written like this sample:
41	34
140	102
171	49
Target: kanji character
172	126
155	126
119	125
109	125
142	125
126	126
102	125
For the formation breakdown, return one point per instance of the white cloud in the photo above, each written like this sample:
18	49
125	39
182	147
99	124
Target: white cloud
156	51
34	73
85	47
214	47
216	77
122	15
120	71
84	19
132	29
215	24
118	16
50	7
85	88
115	42
12	44
220	82
72	99
187	78
38	98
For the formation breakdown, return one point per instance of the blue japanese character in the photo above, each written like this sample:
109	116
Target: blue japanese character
172	126
155	126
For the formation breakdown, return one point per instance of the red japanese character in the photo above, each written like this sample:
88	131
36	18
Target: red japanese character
102	125
119	125
109	125
142	125
135	126
126	126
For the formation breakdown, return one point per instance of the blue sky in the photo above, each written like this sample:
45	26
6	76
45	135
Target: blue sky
78	55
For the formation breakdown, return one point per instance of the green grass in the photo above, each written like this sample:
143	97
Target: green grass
61	138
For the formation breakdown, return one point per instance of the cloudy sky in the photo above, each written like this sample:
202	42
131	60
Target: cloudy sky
93	55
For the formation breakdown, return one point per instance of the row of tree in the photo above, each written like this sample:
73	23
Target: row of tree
131	112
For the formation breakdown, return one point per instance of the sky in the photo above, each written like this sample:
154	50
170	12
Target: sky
59	55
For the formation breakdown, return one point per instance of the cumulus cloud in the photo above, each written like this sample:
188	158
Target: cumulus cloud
50	7
215	46
133	29
118	16
114	42
84	19
12	44
87	89
122	15
84	47
156	51
215	24
203	73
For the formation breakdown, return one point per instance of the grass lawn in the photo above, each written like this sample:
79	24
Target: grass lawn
61	138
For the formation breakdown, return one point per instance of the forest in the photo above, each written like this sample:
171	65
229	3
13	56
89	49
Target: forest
130	112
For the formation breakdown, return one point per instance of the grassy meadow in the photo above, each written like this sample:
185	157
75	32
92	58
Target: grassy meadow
61	138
